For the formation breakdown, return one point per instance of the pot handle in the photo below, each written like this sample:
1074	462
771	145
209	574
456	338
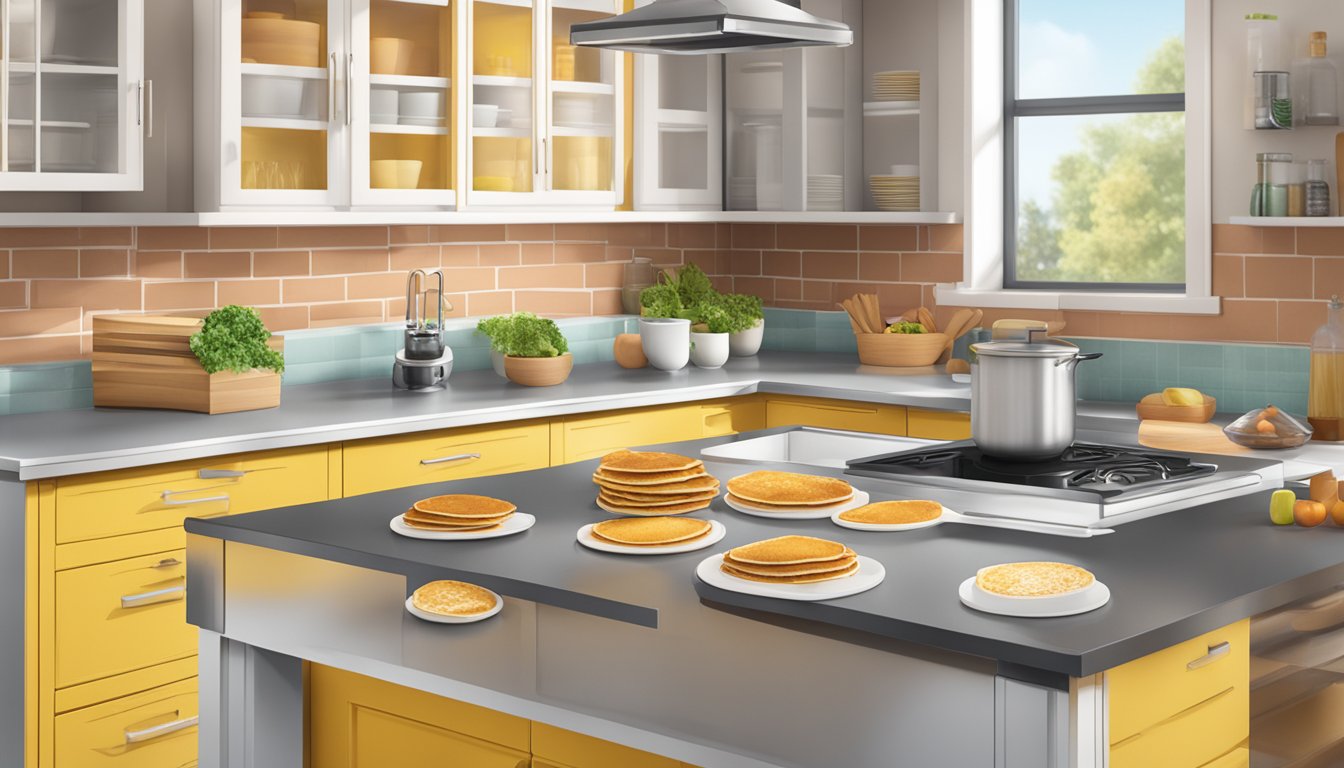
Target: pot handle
1076	359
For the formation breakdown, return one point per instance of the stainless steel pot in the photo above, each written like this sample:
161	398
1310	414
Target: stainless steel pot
1024	397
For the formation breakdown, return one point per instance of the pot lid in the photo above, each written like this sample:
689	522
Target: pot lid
1037	347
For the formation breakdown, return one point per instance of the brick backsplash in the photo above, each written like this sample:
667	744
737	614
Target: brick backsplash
1275	282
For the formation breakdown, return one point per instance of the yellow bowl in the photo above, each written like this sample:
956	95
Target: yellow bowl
282	41
390	55
492	184
394	174
901	350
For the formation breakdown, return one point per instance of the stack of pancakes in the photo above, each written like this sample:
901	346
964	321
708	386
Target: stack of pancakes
649	483
788	490
1035	579
458	513
453	598
791	560
651	531
894	513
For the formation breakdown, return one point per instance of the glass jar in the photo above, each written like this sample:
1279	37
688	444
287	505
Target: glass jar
1273	101
1318	189
639	274
1297	189
1325	398
1322	85
1269	196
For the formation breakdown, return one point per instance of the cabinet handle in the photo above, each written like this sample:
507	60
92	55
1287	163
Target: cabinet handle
216	474
167	562
172	502
446	459
146	734
331	88
169	595
148	85
349	85
1215	653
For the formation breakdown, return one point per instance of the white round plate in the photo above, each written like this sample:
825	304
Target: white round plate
716	533
947	516
1087	599
653	511
519	522
870	574
801	513
437	619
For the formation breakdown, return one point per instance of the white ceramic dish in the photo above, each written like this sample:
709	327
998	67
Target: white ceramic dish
504	119
870	574
484	115
421	105
273	97
437	619
383	105
653	511
519	522
716	533
1083	600
801	513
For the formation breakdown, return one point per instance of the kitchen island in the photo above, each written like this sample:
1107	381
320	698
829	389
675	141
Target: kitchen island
637	651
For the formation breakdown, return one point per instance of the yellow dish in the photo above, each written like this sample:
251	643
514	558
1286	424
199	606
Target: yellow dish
492	184
394	174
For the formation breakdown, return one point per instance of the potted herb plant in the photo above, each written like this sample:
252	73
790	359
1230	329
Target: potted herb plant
710	328
536	353
489	327
748	323
664	327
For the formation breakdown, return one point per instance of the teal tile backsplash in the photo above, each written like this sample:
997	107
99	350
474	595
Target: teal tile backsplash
1241	376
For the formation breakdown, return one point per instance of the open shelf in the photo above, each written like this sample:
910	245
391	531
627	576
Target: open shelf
890	108
21	122
409	130
56	68
281	70
505	133
291	123
410	81
500	81
566	130
1288	221
581	87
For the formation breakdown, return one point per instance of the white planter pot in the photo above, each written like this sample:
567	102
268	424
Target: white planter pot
666	342
709	350
747	343
497	362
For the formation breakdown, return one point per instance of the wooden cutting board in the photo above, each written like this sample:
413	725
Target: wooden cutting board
1184	436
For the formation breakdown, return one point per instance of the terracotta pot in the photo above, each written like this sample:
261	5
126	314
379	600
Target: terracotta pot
538	371
629	351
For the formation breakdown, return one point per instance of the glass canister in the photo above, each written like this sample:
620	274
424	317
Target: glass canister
1325	398
1274	172
1318	188
1297	189
639	274
1273	101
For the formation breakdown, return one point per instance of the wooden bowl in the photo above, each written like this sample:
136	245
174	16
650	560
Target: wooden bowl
1152	407
394	174
901	350
282	41
538	371
390	55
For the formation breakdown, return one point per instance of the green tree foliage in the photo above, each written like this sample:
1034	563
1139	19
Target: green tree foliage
1118	214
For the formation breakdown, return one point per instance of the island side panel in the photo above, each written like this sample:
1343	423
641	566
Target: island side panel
14	587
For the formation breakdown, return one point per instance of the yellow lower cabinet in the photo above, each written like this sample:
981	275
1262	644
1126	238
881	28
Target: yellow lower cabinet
153	728
729	417
1240	757
1192	738
557	748
938	425
453	454
835	414
360	722
121	616
589	437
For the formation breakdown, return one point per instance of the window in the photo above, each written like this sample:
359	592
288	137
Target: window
1095	143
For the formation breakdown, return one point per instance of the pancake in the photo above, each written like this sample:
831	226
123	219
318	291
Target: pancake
808	579
430	522
648	478
654	501
789	550
894	513
651	531
789	489
655	497
618	508
453	598
787	507
647	461
801	569
700	484
453	529
463	506
1033	579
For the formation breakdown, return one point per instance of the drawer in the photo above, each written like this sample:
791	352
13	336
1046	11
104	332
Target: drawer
1191	738
1149	690
938	425
557	748
153	728
1239	757
400	462
595	436
835	414
731	417
121	616
130	501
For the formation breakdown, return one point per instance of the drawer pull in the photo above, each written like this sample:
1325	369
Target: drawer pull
167	562
147	734
169	500
169	595
216	474
1215	653
446	459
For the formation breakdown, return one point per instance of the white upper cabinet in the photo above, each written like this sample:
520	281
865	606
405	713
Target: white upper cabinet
73	100
679	132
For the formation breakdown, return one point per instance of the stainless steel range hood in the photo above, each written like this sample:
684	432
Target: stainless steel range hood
712	26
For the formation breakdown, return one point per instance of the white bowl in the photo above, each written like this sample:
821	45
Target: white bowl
273	97
383	104
709	350
420	105
747	343
666	342
484	115
504	119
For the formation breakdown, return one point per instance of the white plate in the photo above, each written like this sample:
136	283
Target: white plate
716	533
948	516
801	513
517	523
870	574
653	511
437	619
1087	599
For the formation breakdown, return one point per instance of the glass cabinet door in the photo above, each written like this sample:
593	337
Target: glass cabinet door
291	111
504	158
582	103
403	142
71	94
679	132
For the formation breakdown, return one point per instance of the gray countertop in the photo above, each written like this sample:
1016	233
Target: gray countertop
1171	577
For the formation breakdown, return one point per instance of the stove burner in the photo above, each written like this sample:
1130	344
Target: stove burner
1101	469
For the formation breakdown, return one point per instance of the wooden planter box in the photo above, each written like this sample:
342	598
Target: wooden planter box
145	361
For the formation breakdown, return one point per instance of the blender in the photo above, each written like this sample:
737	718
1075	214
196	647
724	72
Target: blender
424	361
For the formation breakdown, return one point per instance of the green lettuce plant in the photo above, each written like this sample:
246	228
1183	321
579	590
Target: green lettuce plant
523	334
233	338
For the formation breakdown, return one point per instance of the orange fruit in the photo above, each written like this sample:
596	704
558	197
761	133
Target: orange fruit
1265	427
1309	514
1270	412
1337	512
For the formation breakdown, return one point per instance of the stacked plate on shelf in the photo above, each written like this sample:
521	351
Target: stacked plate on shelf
825	192
899	85
898	191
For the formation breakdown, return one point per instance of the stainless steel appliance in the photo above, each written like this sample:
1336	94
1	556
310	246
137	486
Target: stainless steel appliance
1024	397
712	26
424	362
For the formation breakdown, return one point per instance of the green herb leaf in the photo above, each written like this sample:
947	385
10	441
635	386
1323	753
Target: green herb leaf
523	334
233	338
